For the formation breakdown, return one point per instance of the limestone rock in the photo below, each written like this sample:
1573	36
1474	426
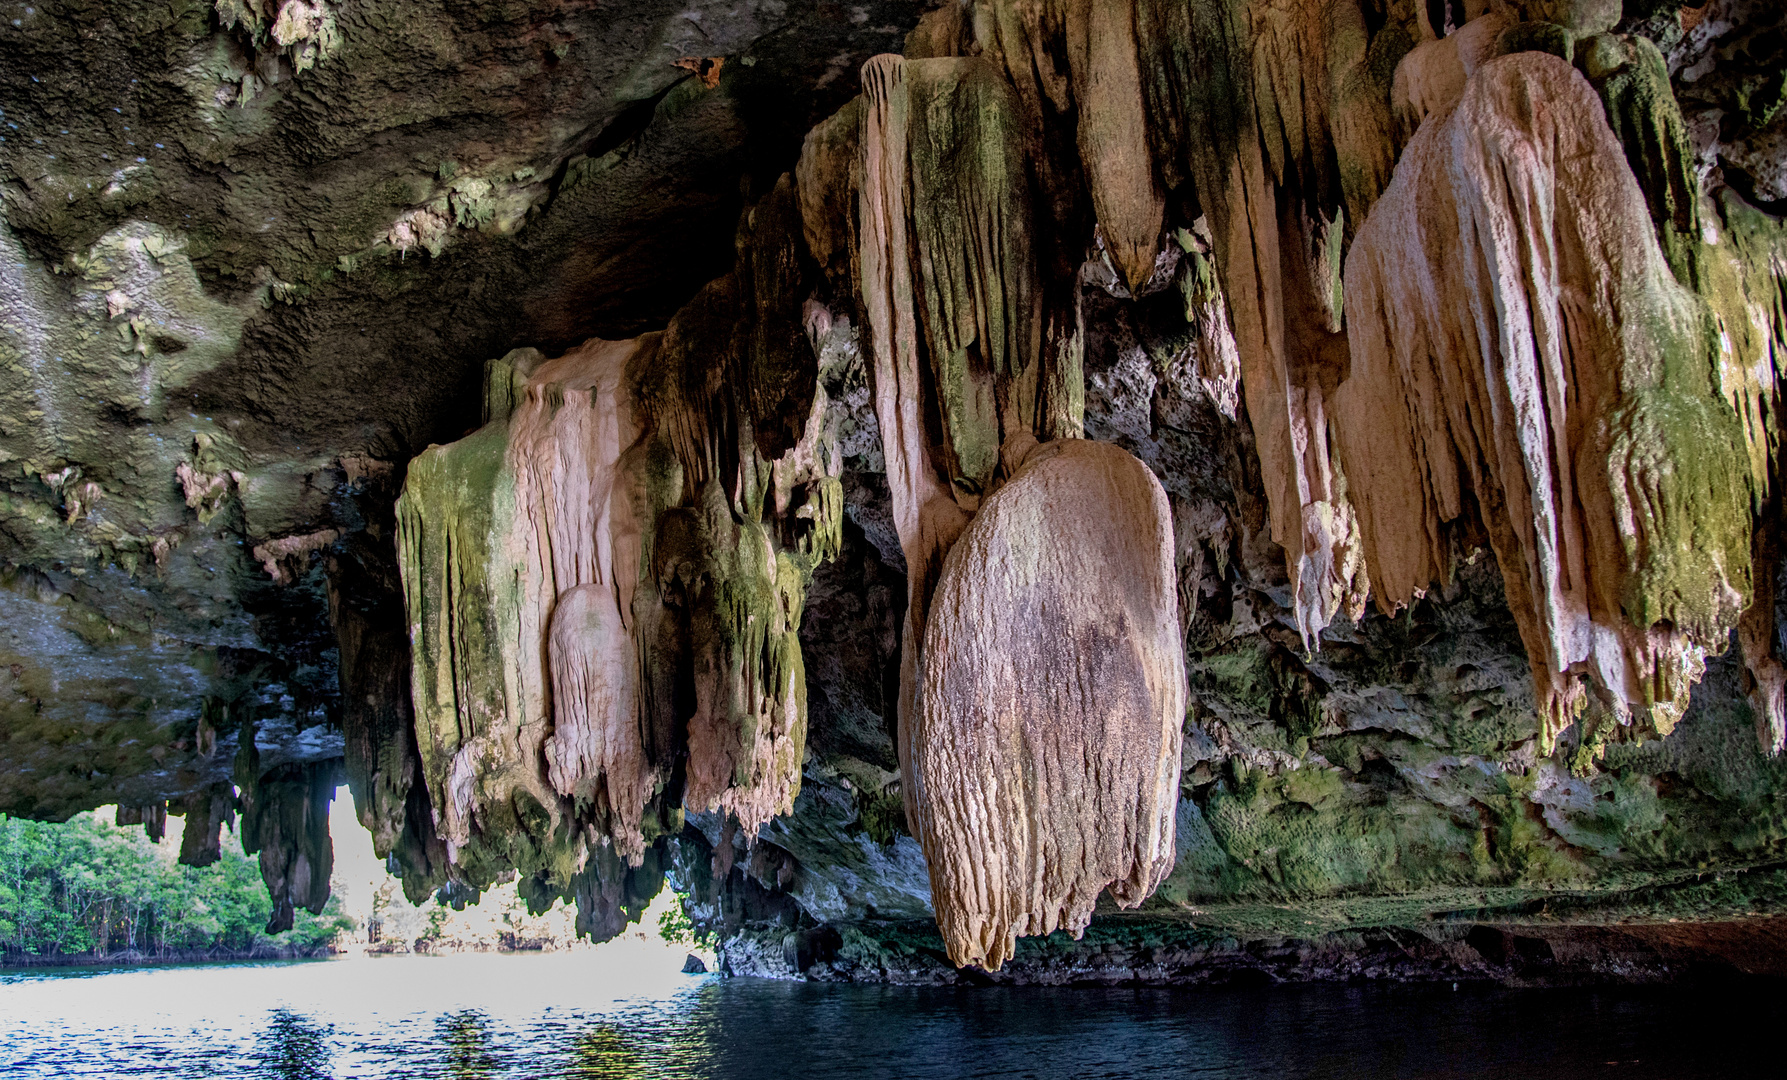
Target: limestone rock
1238	104
1520	344
1045	760
285	819
947	132
1432	76
201	842
518	560
1112	133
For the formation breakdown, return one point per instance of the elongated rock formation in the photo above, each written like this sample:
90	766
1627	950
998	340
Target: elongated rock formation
605	586
285	820
947	276
492	531
1520	344
1045	754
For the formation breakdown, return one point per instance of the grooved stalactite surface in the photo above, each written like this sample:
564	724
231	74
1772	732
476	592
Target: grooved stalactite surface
1519	341
525	671
1052	688
1236	104
565	442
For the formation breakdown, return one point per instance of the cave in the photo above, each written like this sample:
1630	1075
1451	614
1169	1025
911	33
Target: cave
957	492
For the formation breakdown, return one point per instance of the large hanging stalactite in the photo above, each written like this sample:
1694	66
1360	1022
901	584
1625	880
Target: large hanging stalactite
965	388
1045	743
605	586
1519	343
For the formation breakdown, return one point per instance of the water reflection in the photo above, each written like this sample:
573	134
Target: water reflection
604	1052
466	1036
539	1017
291	1047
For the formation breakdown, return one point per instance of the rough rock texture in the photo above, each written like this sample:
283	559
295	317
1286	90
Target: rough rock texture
1045	742
605	587
255	256
509	541
1561	387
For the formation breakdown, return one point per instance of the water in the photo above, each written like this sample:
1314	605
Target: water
620	1013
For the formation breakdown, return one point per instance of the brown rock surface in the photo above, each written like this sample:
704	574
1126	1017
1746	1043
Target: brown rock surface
1046	752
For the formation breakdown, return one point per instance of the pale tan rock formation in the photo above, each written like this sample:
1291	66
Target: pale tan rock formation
1432	76
1045	750
566	437
1257	107
1519	342
947	281
605	586
499	527
1745	268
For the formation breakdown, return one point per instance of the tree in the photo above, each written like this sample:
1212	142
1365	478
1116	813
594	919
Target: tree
86	886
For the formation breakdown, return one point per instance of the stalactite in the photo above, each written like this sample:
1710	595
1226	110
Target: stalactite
1518	340
566	438
285	819
747	735
152	817
1113	140
207	811
380	758
1238	99
611	892
734	549
605	583
462	586
1046	745
1745	274
924	172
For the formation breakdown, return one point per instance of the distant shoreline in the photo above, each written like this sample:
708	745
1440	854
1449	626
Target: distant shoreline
139	958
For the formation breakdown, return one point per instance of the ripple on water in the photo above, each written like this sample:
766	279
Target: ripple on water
626	1011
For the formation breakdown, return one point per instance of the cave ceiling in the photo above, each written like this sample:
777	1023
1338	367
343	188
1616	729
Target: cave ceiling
280	268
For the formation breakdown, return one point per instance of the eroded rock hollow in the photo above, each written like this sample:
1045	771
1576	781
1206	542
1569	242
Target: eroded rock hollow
1191	474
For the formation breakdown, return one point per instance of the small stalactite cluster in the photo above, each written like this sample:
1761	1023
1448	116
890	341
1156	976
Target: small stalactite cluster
382	762
285	820
605	586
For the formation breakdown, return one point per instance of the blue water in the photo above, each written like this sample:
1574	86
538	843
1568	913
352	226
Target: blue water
601	1014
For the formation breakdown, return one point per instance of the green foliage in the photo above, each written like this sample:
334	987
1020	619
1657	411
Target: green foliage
87	886
677	928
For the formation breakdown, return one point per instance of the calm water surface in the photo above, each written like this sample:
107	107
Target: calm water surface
620	1013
